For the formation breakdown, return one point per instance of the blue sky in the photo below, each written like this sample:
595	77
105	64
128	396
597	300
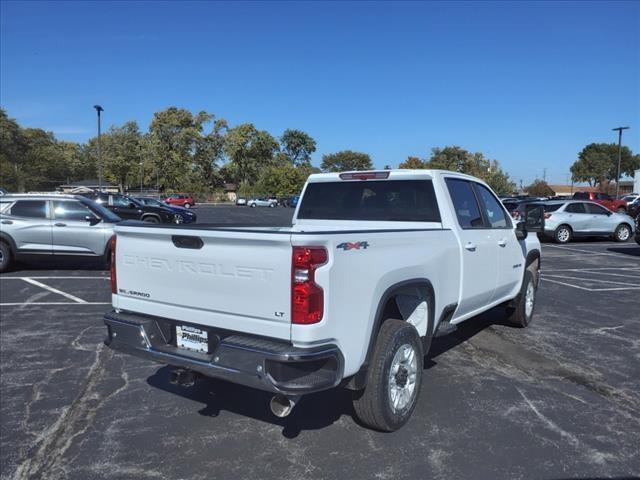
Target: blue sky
528	84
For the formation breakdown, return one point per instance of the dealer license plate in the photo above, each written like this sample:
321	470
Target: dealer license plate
192	338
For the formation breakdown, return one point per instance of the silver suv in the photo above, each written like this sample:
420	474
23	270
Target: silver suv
53	224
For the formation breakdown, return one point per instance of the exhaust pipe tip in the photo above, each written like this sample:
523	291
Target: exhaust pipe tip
281	405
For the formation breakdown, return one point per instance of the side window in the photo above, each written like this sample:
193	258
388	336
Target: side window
70	210
120	201
493	210
29	209
575	208
465	203
597	209
581	195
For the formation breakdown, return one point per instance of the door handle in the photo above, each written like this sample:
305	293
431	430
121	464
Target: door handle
502	242
60	224
7	222
470	246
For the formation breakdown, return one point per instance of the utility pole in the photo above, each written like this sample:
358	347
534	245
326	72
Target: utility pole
99	109
619	130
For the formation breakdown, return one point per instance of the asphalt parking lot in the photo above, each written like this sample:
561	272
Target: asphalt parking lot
559	400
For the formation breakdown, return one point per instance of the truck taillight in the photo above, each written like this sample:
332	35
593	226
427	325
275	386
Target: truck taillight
114	280
307	298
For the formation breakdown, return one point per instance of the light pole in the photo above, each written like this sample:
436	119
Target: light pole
619	130
99	109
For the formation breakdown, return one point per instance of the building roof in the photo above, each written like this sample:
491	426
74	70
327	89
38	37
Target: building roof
569	189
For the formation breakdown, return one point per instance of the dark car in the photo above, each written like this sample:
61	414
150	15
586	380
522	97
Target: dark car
633	209
128	208
188	216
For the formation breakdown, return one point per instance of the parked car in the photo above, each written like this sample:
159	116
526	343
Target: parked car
181	200
262	202
241	202
128	208
637	237
188	215
607	201
565	220
374	265
634	209
630	198
53	225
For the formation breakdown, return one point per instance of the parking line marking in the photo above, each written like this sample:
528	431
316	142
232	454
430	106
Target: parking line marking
590	252
589	289
593	280
15	304
56	278
54	290
591	269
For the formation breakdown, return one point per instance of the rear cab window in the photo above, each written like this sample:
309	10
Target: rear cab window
371	200
29	209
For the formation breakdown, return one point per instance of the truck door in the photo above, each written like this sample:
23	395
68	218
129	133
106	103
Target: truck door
479	255
510	258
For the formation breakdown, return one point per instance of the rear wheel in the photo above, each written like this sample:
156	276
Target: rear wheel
520	311
563	234
187	205
5	257
622	233
151	219
621	210
253	205
393	379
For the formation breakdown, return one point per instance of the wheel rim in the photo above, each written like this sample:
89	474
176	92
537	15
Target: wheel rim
403	376
623	233
563	235
529	299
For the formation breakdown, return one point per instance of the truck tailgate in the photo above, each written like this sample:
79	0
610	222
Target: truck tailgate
236	280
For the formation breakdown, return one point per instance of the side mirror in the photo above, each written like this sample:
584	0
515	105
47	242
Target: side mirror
92	219
521	231
534	218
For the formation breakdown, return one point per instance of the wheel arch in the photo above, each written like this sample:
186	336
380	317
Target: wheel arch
155	215
388	308
6	238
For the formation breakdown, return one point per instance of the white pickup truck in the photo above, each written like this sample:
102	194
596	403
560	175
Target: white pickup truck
374	265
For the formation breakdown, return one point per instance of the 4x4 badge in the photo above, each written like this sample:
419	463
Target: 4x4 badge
353	246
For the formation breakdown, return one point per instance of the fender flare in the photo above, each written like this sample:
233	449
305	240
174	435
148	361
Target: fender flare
358	381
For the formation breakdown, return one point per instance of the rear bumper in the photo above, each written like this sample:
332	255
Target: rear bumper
265	364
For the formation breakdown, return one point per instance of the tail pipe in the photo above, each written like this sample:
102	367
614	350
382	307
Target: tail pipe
282	405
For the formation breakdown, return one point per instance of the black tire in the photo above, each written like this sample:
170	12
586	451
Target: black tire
519	314
187	205
563	234
272	205
151	219
622	233
6	257
253	205
373	406
621	210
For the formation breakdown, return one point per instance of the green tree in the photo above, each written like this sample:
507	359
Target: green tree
412	163
281	180
539	188
598	163
250	151
346	160
122	153
297	147
13	146
458	159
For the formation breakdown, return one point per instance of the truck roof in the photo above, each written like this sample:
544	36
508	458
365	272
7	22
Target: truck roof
397	174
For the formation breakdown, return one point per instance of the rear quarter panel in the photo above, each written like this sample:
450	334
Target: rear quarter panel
355	280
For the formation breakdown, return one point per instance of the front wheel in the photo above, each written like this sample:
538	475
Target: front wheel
520	311
393	379
622	233
272	205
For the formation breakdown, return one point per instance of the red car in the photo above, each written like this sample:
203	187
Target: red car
180	200
619	206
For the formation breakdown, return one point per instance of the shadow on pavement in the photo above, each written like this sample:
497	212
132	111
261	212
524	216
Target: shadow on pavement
634	252
314	411
63	263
